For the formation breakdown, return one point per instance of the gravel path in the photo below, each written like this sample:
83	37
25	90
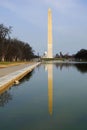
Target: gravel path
11	69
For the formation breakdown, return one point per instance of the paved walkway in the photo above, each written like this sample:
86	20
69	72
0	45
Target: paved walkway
10	74
11	69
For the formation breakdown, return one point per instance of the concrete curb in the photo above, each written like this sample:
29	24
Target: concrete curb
8	80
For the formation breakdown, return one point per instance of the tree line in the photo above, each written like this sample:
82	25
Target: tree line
13	49
80	55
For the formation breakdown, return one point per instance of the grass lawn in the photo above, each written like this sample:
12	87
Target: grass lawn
6	64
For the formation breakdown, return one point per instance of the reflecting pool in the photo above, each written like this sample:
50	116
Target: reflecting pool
51	97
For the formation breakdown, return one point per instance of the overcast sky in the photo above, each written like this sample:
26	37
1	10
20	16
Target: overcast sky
29	21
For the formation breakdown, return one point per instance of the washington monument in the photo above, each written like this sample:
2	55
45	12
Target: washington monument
49	53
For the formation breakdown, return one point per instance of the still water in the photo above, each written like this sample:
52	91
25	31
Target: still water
51	97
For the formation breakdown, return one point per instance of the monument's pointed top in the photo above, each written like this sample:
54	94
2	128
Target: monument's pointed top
49	9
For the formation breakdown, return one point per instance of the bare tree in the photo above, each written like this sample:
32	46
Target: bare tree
4	35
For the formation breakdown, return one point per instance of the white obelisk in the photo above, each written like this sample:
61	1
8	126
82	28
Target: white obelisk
49	55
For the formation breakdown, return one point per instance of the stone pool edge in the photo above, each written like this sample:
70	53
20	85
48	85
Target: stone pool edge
7	81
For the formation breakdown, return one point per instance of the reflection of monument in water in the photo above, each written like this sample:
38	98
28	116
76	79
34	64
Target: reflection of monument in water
50	88
49	68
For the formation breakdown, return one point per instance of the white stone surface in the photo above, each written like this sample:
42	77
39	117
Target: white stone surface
6	79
